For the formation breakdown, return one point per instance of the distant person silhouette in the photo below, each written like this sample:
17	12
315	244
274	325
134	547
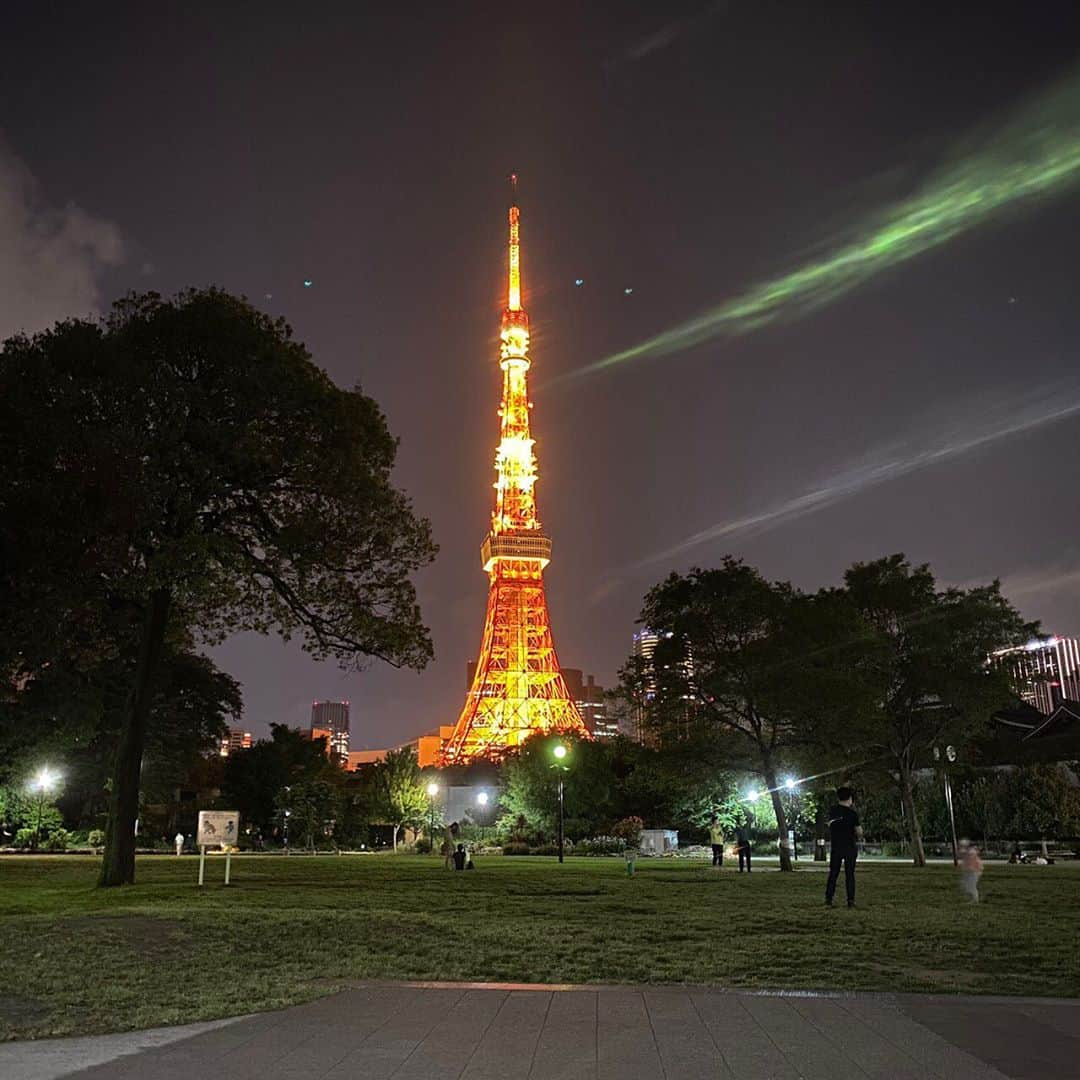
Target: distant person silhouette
742	838
460	857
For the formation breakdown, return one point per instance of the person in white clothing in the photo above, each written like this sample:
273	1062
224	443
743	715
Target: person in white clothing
179	842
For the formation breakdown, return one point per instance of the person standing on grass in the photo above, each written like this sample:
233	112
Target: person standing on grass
844	834
716	838
178	840
742	838
971	868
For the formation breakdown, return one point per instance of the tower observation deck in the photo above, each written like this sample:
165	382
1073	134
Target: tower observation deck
519	690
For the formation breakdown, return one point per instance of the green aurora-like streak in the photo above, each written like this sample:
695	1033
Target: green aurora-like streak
1036	153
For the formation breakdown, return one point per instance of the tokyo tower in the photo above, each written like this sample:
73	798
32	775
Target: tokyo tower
518	690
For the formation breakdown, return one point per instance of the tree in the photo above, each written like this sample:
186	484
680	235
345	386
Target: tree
255	777
1043	803
767	668
929	653
402	793
590	783
184	462
313	808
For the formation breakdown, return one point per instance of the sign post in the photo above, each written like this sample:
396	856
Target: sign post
217	828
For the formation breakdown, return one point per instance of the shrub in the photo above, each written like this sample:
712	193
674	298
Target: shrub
96	837
24	838
57	840
546	849
629	830
422	846
516	848
600	845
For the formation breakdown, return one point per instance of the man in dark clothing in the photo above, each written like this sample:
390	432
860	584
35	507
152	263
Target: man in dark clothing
459	857
742	838
844	833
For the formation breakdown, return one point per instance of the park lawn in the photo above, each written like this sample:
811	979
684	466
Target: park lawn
76	959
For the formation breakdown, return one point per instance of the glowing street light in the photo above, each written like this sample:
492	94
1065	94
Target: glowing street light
559	752
432	789
43	783
482	801
791	784
753	796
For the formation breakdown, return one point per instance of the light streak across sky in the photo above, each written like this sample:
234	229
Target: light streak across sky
1035	153
1000	421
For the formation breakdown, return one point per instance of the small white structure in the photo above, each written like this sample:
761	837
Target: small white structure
659	841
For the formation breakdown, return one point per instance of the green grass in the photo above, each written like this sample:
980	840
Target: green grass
79	959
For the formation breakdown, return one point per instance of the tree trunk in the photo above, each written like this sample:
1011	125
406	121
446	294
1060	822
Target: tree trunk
781	817
396	827
907	797
118	862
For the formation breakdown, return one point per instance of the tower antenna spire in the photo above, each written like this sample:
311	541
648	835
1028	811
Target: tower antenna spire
513	291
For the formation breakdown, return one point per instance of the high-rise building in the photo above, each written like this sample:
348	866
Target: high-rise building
237	739
645	644
1044	672
519	689
330	719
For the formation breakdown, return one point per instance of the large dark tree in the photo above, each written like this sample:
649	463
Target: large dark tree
184	463
769	670
254	778
930	654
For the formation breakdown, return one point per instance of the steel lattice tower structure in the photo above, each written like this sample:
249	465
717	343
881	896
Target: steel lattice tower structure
518	690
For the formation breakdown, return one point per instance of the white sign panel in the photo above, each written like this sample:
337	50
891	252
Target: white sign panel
218	827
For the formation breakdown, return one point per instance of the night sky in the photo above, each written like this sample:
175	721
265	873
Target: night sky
686	152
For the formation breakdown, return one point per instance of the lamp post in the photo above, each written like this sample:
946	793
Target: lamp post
432	791
950	757
482	801
792	786
559	752
42	784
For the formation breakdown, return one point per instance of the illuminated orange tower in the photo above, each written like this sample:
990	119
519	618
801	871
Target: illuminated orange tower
518	690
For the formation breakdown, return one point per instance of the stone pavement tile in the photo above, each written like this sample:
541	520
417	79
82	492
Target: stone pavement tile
1020	1045
871	1052
936	1054
687	1050
445	1051
748	1049
384	1050
625	1047
506	1050
96	1055
566	1049
342	1025
813	1056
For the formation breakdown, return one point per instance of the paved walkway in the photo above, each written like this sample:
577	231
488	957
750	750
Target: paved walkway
479	1032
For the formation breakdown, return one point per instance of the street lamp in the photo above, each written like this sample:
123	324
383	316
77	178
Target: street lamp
753	796
432	791
559	753
482	801
792	785
42	784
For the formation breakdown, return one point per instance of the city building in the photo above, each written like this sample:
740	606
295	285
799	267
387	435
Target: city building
330	719
518	689
237	739
645	642
1045	672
